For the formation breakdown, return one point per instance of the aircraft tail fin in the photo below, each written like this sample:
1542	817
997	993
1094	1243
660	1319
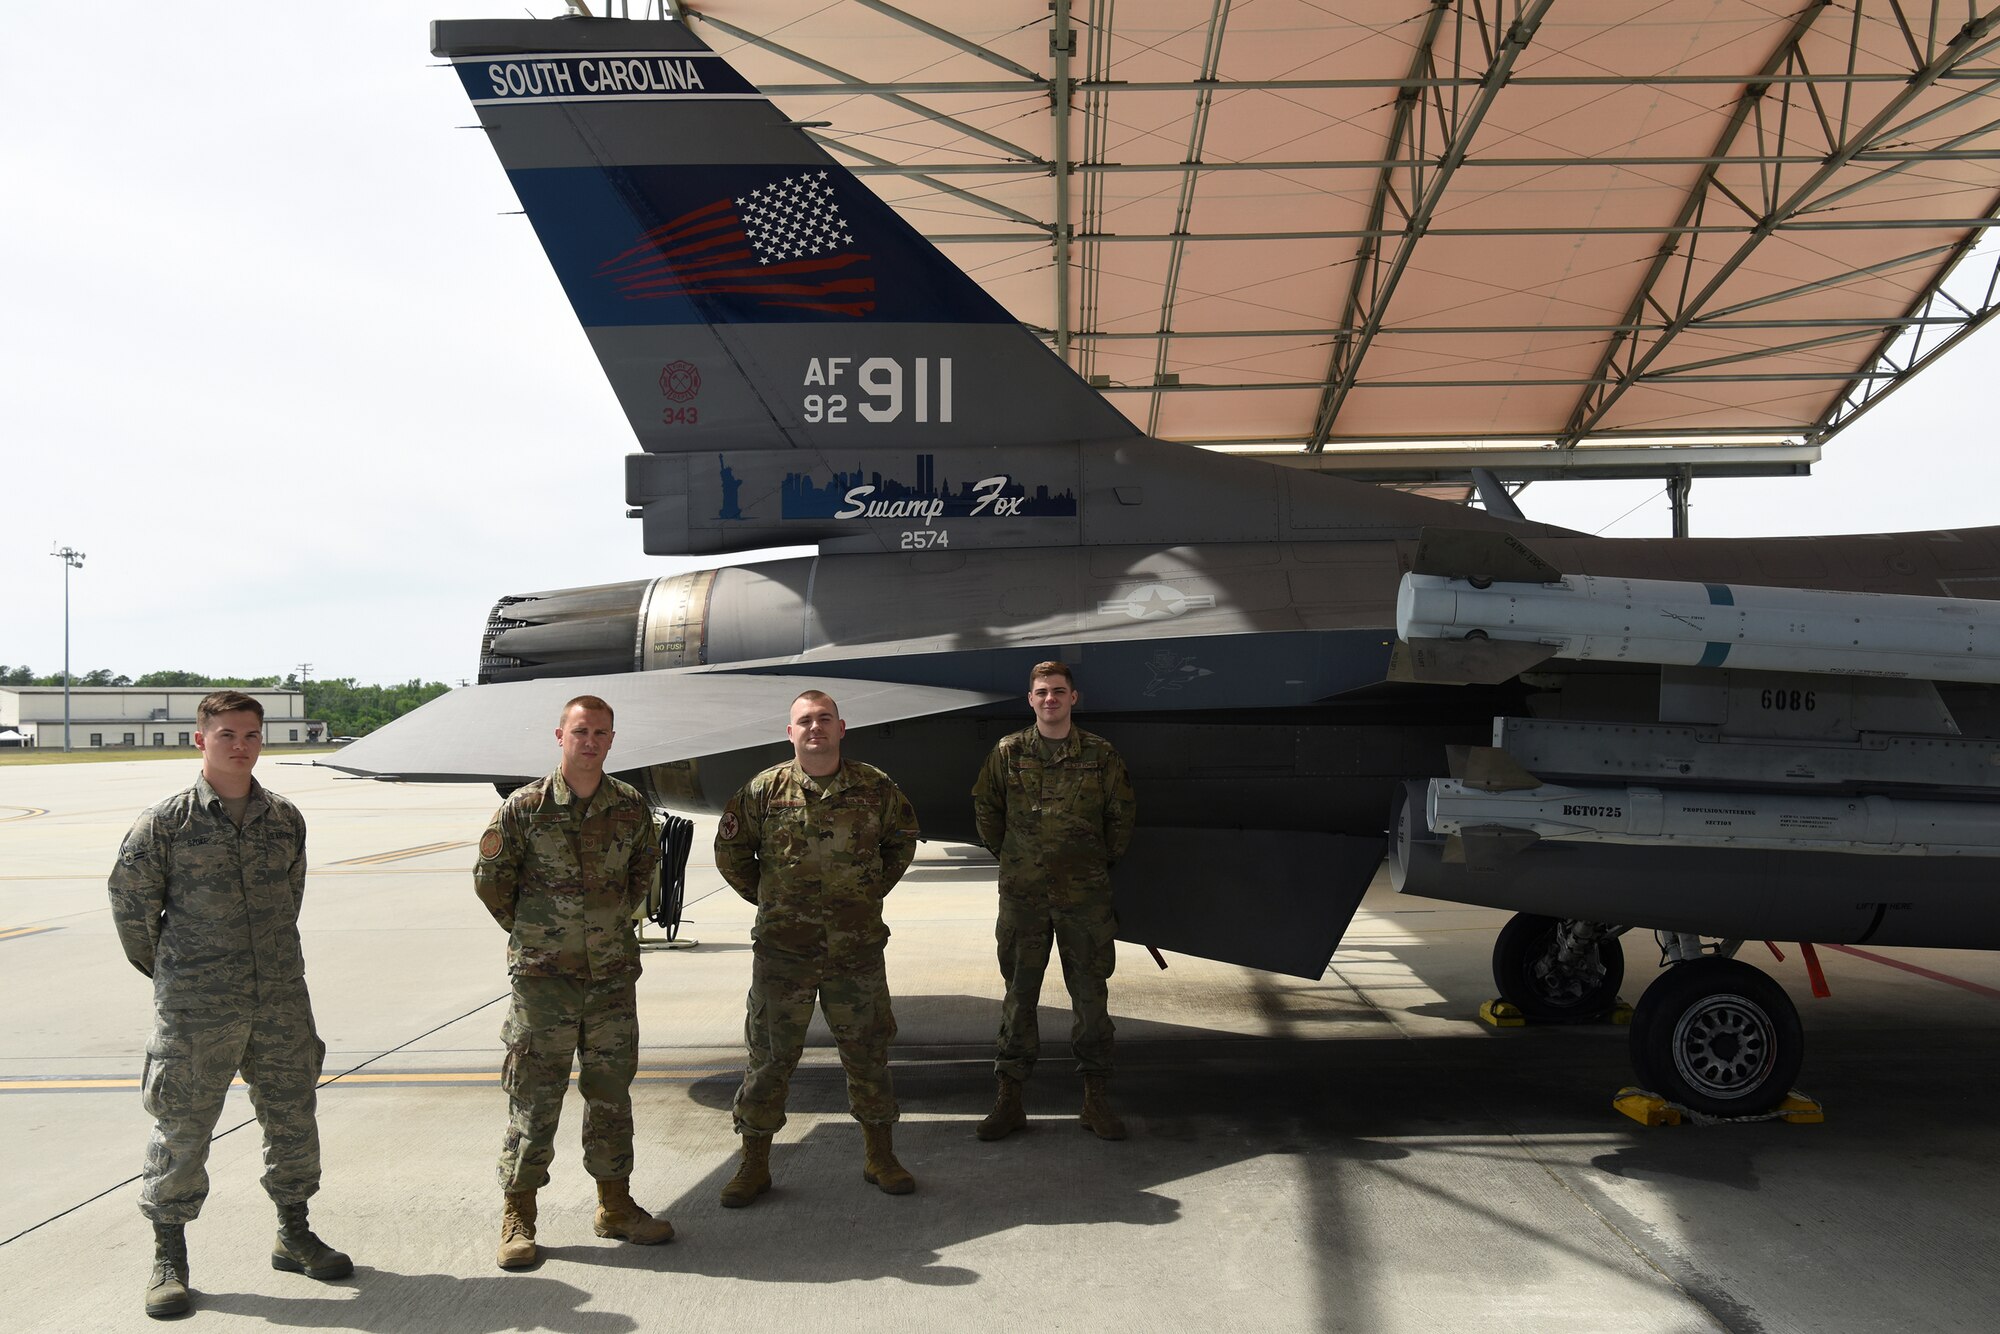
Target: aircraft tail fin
742	289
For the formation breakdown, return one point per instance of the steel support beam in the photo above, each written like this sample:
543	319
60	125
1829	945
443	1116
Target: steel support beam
1548	464
970	131
1374	282
1898	158
1211	60
1041	234
1610	382
987	87
1062	45
957	43
1904	351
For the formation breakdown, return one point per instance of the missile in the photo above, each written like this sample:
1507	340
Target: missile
1674	817
1476	627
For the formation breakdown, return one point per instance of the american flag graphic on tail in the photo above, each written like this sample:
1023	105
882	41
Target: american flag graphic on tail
784	244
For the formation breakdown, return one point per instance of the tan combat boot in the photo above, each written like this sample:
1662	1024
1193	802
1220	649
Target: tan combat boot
753	1174
298	1251
618	1215
1097	1117
517	1231
167	1287
880	1168
1007	1115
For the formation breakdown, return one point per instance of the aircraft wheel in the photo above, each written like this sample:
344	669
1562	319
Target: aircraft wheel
1530	970
1719	1036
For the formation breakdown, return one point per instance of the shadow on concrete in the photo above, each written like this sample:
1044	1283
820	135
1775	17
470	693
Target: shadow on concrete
389	1303
1196	1101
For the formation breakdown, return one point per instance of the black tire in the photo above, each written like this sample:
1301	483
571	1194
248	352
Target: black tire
1524	957
1718	1036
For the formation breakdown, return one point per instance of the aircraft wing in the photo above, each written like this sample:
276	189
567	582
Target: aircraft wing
507	731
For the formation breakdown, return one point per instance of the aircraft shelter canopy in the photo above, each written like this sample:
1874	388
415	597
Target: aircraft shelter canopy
1288	227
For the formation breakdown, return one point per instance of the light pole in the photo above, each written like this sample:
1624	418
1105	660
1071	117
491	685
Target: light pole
72	560
305	670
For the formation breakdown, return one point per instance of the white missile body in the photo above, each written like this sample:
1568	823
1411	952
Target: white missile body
1891	826
1672	622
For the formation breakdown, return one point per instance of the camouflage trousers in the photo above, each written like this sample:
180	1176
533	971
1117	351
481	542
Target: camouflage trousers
1084	938
854	997
192	1057
553	1022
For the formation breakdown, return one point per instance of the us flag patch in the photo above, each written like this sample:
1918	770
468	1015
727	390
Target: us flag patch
786	243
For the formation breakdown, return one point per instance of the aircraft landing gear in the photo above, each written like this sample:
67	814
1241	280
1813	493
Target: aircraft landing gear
1556	969
1718	1036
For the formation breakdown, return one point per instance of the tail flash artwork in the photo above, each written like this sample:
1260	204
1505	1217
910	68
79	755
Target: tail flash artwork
743	291
784	244
798	363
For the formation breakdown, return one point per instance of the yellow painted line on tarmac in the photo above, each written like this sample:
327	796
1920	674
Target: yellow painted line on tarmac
15	932
401	854
22	812
391	1078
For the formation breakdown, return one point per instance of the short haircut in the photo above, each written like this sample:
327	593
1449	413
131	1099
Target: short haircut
226	701
817	697
1051	669
591	702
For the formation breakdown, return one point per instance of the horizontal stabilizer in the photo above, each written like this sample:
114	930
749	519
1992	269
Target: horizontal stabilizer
1269	899
507	731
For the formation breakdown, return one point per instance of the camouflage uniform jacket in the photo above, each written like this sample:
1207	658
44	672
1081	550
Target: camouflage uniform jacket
1055	825
817	855
565	877
211	912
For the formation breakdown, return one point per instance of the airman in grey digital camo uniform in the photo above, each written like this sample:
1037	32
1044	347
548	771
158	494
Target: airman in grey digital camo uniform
565	864
1054	804
816	843
206	898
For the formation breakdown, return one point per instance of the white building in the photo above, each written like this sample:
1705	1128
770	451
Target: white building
107	717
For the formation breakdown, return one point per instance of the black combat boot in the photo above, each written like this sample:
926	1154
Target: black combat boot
298	1251
1007	1115
167	1289
1097	1117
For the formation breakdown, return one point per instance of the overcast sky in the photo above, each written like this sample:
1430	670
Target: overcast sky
276	359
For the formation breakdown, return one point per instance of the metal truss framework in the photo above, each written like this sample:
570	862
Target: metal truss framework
1863	137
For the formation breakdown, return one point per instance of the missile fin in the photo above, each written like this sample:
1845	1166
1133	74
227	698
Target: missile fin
1461	553
1464	661
1486	846
1489	769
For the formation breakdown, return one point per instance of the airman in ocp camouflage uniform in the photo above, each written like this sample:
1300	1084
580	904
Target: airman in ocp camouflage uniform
816	843
206	897
564	867
1054	804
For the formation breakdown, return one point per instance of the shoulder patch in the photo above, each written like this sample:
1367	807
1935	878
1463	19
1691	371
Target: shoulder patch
729	826
489	845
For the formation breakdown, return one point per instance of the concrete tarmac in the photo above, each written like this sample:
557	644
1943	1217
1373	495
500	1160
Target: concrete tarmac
1356	1153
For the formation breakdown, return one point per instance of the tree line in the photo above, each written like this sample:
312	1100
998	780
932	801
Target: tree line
346	706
